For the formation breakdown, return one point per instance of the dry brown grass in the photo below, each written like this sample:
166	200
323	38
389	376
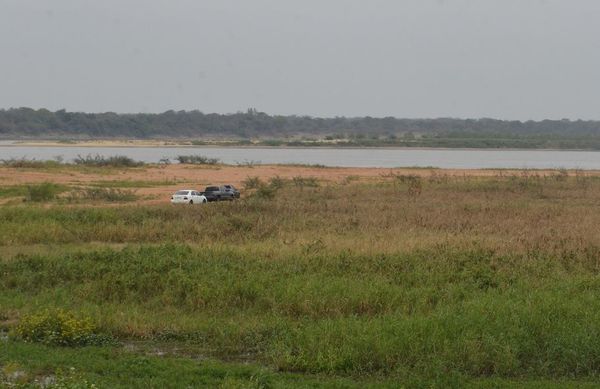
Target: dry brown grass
517	213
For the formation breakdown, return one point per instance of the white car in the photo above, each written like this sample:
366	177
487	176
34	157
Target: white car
188	196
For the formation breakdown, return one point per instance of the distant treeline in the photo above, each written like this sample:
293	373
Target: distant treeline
42	123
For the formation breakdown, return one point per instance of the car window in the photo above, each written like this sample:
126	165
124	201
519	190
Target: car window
182	193
212	189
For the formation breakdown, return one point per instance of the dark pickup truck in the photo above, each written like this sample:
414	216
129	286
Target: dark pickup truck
221	193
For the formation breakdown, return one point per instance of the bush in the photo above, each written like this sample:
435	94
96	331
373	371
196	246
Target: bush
30	163
266	192
59	328
247	163
277	182
100	161
43	192
252	183
197	160
302	182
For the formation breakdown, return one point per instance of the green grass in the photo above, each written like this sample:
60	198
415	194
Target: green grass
112	367
400	317
469	312
44	192
147	367
13	191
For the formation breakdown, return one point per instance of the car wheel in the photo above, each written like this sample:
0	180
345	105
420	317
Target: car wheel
191	202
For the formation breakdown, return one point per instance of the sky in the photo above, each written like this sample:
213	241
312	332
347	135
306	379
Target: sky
505	59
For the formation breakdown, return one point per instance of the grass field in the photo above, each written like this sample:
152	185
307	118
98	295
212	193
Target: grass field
396	280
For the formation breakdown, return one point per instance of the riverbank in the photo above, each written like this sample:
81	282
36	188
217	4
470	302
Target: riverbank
296	144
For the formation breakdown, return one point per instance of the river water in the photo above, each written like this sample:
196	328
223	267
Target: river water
355	157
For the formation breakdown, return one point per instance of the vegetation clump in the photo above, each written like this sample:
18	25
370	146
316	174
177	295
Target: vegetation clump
277	182
266	192
13	191
302	182
43	192
30	163
252	183
117	161
58	328
197	160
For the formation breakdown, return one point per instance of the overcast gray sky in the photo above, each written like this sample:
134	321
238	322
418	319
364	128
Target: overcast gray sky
509	59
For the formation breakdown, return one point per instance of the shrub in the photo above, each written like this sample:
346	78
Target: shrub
59	328
101	161
413	182
247	163
561	175
277	182
349	179
43	192
252	183
302	182
266	192
30	163
197	160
